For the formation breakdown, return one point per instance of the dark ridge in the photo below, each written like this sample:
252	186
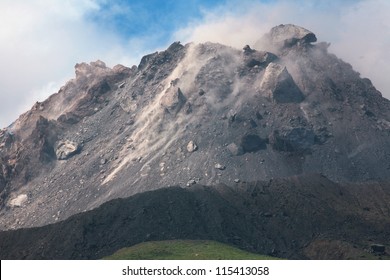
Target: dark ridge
302	217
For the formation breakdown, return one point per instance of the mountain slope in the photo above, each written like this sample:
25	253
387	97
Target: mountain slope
298	217
204	114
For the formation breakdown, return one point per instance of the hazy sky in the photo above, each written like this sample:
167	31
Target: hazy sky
42	40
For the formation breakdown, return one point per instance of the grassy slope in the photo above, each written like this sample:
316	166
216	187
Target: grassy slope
184	250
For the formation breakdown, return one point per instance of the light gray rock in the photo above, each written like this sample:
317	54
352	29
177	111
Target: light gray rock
19	200
278	85
235	149
220	166
66	149
172	100
191	182
191	147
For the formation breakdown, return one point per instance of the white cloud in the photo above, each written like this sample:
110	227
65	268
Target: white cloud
359	31
41	41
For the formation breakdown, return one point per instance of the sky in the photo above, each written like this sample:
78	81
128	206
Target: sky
42	40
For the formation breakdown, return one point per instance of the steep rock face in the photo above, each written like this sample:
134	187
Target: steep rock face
258	114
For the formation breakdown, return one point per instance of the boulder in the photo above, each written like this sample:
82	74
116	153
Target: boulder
252	143
69	118
296	139
191	182
66	149
279	86
191	147
19	200
248	50
235	149
378	249
220	166
172	100
258	58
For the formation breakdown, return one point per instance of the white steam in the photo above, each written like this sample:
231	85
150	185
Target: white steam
359	31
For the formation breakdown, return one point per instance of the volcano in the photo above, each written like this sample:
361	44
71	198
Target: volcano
196	114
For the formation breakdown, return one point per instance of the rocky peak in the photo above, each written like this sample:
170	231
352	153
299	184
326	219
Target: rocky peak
99	69
285	36
94	68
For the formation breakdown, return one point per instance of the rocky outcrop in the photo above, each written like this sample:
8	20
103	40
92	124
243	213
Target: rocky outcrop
43	137
3	180
69	118
254	58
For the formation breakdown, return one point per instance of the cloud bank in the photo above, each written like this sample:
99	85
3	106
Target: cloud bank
41	40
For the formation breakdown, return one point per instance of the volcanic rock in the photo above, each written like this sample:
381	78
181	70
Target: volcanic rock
191	147
235	149
278	85
172	100
19	200
378	248
220	166
292	140
66	149
252	143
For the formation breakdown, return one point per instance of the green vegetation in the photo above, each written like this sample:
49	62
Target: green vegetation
184	250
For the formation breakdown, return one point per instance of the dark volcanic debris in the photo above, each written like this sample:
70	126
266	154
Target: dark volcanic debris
302	217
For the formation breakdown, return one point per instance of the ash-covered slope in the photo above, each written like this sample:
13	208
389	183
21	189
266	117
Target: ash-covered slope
303	217
203	114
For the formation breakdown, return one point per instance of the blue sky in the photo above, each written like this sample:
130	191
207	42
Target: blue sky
42	40
140	17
